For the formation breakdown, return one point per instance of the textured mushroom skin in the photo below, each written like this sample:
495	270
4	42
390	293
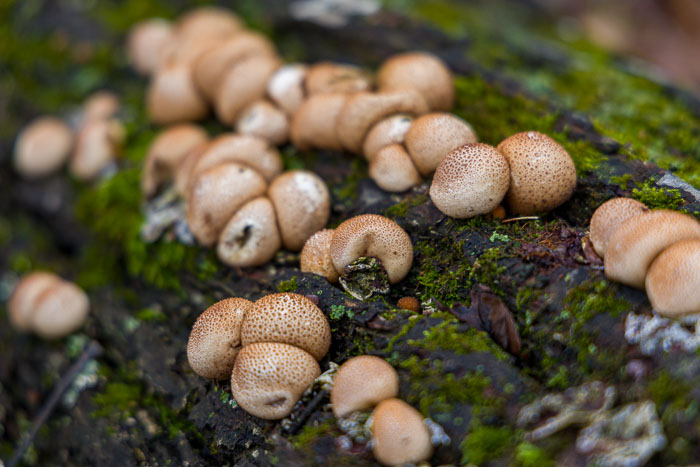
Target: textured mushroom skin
399	434
373	235
215	339
361	383
42	147
316	255
608	217
673	280
60	309
269	378
393	170
23	299
251	237
288	318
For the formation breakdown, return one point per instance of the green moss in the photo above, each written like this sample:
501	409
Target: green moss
622	181
339	312
151	315
311	433
484	443
401	209
117	398
657	198
288	286
529	455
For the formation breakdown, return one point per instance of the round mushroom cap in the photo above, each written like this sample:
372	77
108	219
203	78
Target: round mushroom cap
100	106
470	180
288	318
388	131
251	237
362	382
269	378
170	147
264	120
328	77
375	236
185	168
286	87
399	435
673	279
96	146
316	255
59	310
433	136
364	109
22	302
208	20
216	195
147	42
638	240
303	205
542	174
393	170
313	124
215	339
173	97
423	72
187	50
42	147
608	217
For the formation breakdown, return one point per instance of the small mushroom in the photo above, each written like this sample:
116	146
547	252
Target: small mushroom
146	44
399	435
286	87
251	237
23	300
542	174
314	123
215	196
423	72
388	131
215	339
42	147
375	236
96	146
316	255
392	169
470	180
184	169
673	279
208	20
638	240
269	378
59	310
303	205
100	106
608	217
173	97
288	318
264	120
187	50
362	382
328	77
433	136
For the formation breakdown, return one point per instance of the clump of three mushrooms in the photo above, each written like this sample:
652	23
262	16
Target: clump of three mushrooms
268	348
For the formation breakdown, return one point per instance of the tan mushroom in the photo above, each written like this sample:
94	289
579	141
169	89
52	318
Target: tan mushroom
251	237
172	96
215	339
147	42
399	435
59	310
542	174
208	20
184	169
22	302
42	147
286	87
328	77
608	217
388	131
393	170
303	205
264	120
269	378
375	236
470	180
673	279
100	106
97	145
361	383
316	255
638	240
314	123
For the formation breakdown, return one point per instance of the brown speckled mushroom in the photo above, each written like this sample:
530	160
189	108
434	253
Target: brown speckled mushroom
22	302
264	120
251	237
316	255
638	240
215	339
97	145
288	318
392	169
59	310
303	205
608	217
399	434
433	136
173	97
542	174
215	196
100	106
362	382
388	131
423	72
328	77
147	42
314	123
286	87
470	180
269	378
375	236
42	147
673	280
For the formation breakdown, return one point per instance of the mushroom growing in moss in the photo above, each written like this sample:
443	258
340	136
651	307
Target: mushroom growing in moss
608	217
673	280
399	435
361	383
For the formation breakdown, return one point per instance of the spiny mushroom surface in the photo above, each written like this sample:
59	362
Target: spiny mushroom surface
42	147
608	217
362	382
673	280
22	302
316	255
59	310
251	237
399	435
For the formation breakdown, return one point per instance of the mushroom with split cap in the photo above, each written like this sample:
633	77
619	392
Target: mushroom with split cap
96	146
608	217
286	87
314	123
173	97
147	42
673	280
316	255
42	147
251	237
391	130
23	300
361	383
329	77
264	120
399	434
393	170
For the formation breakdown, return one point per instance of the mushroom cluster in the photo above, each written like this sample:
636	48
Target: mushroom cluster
655	250
268	348
47	305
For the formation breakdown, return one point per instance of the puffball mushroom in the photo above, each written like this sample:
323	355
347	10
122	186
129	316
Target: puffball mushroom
421	71
303	205
392	169
399	435
470	180
608	217
314	123
286	87
146	42
269	378
388	131
673	280
328	77
22	302
173	97
42	147
361	383
288	318
251	237
264	120
59	310
208	20
100	106
375	236
316	255
96	146
215	339
542	174
638	240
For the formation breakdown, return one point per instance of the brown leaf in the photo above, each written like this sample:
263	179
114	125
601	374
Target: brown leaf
497	319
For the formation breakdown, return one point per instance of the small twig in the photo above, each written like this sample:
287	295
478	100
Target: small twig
524	218
310	408
92	350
